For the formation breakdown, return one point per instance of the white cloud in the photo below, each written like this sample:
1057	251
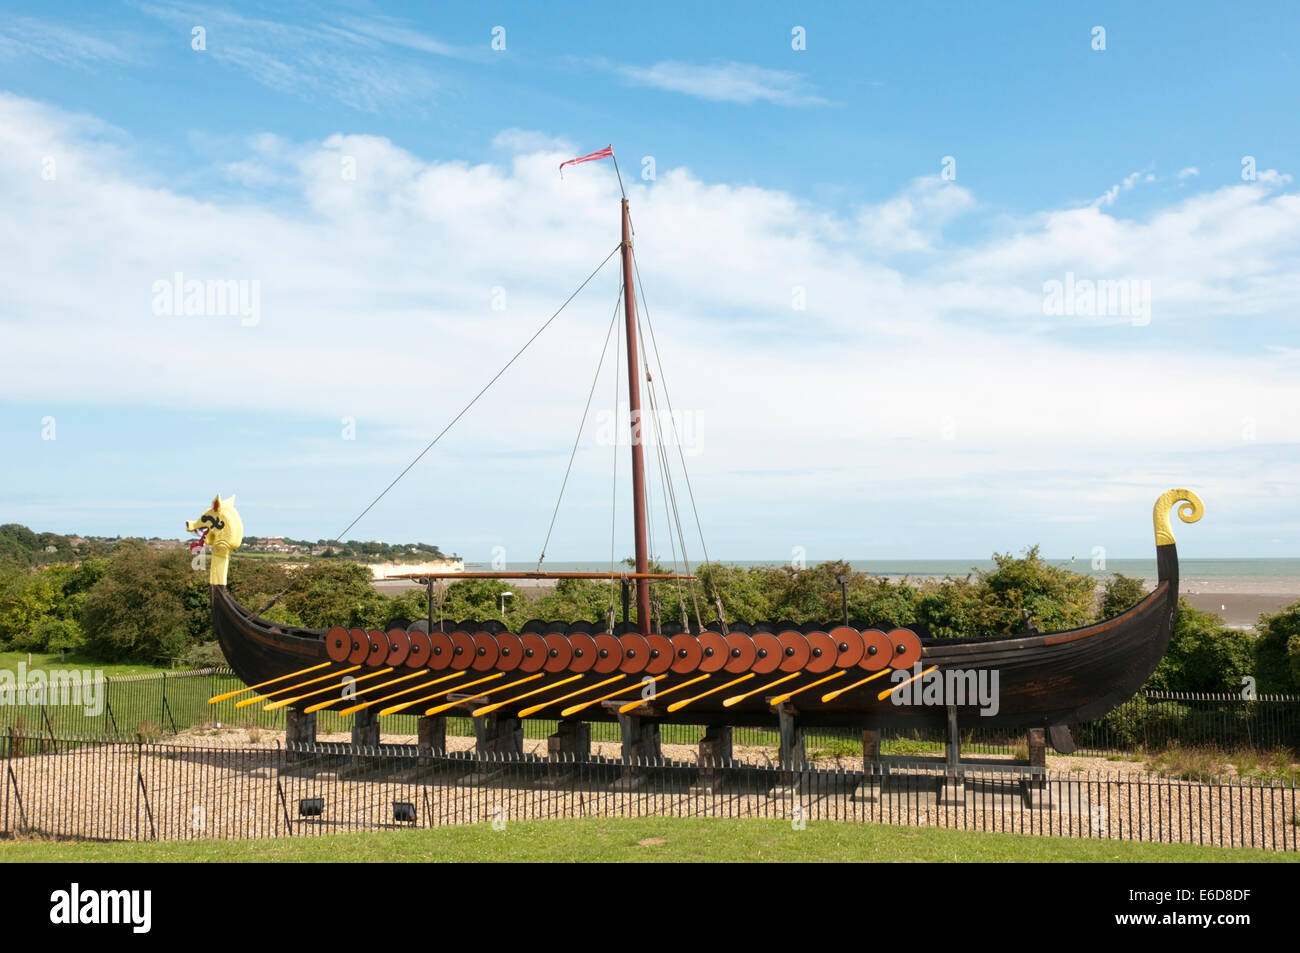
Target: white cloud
1128	183
913	221
1188	172
377	301
725	82
528	140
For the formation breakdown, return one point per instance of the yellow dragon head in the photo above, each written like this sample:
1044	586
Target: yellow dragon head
220	528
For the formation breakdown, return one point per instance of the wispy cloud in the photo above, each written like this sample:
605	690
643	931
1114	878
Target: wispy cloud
725	82
26	37
1128	183
1188	172
353	60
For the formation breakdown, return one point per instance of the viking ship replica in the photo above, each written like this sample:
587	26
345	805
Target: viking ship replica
838	674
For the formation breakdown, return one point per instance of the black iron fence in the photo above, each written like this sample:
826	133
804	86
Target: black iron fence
154	706
149	791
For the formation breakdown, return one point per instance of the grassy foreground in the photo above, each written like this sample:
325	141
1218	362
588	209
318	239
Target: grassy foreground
640	840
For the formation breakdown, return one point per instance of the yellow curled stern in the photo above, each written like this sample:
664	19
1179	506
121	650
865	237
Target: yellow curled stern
1190	510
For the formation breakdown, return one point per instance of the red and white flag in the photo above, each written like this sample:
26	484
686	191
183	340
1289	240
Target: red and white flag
605	153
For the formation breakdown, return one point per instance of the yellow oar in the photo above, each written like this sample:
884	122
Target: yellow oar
438	709
292	688
368	688
658	695
830	696
736	699
270	681
414	688
454	688
574	709
488	709
678	706
564	698
821	681
328	688
889	691
376	688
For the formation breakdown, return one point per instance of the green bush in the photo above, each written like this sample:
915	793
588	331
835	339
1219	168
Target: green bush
1277	651
1204	655
1120	595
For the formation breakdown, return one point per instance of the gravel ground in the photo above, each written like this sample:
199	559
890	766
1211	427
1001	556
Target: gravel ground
230	783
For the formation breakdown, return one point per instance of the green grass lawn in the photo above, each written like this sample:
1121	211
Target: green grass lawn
10	660
643	839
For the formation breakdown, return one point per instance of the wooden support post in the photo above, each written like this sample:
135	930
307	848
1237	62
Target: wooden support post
1037	791
499	735
715	753
952	786
640	738
431	734
873	769
571	741
640	744
365	729
793	753
299	729
952	750
1037	742
870	747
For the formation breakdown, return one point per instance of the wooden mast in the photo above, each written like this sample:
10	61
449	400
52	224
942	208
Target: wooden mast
634	420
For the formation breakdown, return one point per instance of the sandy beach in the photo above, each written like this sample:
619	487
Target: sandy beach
1239	608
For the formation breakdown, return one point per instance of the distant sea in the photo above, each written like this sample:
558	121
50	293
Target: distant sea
1198	575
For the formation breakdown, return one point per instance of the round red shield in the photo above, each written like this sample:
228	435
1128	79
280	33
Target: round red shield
907	648
584	652
338	644
510	651
636	653
485	651
740	652
767	652
609	653
879	650
795	651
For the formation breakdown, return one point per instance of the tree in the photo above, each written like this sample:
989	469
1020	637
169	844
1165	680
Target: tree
27	597
56	635
1204	655
1277	650
324	594
1121	594
1053	597
148	606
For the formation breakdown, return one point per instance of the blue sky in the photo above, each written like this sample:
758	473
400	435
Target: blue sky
922	401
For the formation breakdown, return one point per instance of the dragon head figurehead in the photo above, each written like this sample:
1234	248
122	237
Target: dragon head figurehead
221	529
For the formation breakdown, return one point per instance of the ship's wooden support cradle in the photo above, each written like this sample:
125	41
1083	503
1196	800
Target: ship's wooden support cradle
569	744
571	741
793	751
299	729
365	729
431	733
641	744
715	754
499	735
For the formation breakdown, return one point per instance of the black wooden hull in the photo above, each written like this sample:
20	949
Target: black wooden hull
1041	679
